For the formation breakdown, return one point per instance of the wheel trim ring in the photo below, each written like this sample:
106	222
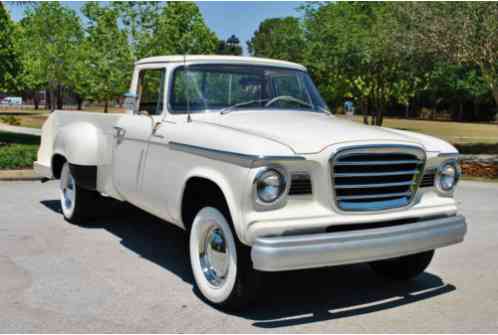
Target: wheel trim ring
214	255
68	191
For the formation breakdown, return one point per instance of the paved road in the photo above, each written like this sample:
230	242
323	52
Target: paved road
130	274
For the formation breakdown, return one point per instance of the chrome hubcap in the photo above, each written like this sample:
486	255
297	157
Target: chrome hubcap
68	191
213	255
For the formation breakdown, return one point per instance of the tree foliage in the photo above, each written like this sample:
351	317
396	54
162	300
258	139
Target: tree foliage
180	29
102	69
51	34
280	38
392	55
10	65
459	33
229	47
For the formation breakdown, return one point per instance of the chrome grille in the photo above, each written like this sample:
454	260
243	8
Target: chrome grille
300	184
376	178
428	179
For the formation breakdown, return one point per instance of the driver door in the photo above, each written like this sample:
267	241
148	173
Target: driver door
132	132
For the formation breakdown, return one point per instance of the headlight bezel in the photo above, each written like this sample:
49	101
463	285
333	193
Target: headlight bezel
281	198
439	174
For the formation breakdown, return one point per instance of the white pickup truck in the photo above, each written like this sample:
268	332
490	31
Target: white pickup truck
243	154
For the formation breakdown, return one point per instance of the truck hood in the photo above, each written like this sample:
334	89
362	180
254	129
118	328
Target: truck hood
307	133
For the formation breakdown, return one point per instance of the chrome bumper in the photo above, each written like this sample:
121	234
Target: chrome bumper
326	249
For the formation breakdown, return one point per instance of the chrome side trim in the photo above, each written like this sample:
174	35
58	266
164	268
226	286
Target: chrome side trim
231	157
294	252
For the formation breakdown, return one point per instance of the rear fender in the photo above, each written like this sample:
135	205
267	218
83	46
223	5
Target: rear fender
81	143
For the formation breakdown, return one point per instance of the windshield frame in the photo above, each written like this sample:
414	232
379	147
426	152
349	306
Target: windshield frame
182	66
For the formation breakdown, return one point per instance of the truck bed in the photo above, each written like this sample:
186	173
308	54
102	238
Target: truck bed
99	123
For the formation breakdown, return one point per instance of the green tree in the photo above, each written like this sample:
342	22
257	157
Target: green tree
353	49
51	34
229	47
180	29
279	38
138	20
10	65
461	33
102	70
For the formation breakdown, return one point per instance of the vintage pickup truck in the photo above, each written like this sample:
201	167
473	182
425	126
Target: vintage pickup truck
244	155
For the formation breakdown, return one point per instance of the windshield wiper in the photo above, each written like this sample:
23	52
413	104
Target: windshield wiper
228	109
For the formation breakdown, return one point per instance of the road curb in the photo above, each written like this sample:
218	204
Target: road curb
18	175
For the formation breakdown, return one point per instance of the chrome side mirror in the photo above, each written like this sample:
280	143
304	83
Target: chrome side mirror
130	102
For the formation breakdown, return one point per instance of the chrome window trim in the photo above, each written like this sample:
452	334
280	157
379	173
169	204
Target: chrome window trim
418	151
244	160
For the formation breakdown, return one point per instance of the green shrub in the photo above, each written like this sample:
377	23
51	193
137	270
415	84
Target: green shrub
17	156
11	120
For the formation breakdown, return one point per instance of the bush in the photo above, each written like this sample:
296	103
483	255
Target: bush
17	156
11	120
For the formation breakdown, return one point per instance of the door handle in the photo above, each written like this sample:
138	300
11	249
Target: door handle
155	129
120	132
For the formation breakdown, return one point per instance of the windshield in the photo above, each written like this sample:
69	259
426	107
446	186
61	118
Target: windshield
226	88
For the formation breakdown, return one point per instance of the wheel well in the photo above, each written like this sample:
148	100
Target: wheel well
200	192
57	164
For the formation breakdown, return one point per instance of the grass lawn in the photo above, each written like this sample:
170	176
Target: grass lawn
32	118
17	151
453	132
469	138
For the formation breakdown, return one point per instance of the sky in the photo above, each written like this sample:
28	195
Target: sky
223	17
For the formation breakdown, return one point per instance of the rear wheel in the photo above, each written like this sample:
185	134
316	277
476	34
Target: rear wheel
221	265
76	202
405	267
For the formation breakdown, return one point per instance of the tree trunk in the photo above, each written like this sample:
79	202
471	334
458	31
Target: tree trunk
36	100
60	97
460	111
495	95
52	100
79	101
364	110
48	104
105	106
475	112
380	115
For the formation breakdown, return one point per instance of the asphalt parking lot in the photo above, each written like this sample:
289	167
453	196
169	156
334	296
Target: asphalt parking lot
130	273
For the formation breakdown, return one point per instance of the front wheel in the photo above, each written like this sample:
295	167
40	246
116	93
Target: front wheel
405	267
221	265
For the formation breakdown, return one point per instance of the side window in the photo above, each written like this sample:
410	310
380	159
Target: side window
151	91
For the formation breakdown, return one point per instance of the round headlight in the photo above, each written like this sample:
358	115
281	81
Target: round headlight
270	185
448	175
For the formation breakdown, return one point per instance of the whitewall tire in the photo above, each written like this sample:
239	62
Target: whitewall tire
76	202
222	272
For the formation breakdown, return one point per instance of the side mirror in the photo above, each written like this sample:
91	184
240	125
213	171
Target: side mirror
130	102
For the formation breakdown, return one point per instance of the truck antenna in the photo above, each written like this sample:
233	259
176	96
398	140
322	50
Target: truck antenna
187	99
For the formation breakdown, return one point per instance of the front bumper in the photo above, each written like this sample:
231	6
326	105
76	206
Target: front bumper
327	249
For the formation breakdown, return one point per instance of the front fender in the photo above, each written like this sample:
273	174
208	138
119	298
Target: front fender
231	196
80	142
